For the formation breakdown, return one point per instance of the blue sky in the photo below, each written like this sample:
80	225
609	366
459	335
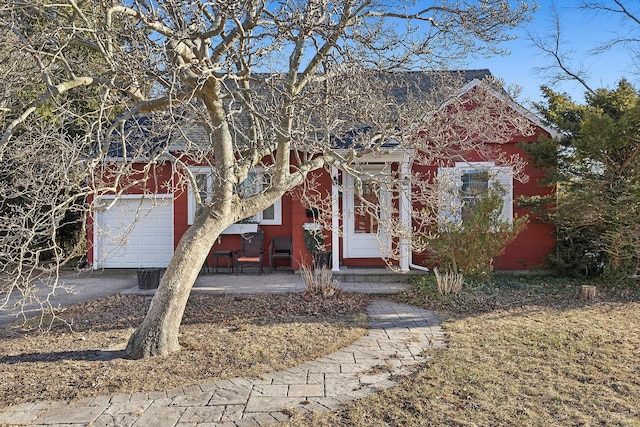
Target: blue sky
581	32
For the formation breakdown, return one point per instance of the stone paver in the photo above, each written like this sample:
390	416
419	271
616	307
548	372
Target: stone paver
400	336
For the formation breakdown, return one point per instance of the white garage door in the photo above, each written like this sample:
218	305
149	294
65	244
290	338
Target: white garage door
135	232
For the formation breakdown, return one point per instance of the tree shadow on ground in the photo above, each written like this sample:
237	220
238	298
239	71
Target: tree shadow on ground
82	355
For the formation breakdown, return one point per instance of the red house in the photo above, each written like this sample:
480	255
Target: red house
139	231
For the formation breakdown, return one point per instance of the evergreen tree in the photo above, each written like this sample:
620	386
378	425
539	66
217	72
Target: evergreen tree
595	163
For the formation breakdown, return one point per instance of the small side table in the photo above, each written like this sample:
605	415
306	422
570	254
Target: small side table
223	254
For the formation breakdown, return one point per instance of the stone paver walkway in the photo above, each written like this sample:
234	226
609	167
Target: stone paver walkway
400	337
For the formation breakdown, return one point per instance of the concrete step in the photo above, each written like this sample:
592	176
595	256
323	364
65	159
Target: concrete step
376	275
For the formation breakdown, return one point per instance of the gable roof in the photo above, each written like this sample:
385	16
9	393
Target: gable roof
408	83
528	114
137	136
404	86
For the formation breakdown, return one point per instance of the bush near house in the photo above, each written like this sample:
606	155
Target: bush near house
467	246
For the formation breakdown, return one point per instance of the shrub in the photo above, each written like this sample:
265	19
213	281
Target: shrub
469	245
449	282
319	281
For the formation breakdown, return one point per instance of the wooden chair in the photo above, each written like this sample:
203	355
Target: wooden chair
227	255
251	252
281	247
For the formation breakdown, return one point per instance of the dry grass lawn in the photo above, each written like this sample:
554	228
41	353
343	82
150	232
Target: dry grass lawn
222	336
522	352
513	362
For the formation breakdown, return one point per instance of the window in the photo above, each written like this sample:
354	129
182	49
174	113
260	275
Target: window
204	180
366	208
461	186
254	183
272	215
475	183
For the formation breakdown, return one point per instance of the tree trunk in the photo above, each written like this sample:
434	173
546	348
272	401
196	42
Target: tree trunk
587	293
158	333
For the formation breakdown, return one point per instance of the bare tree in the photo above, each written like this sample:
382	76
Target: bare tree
552	46
237	84
627	14
563	65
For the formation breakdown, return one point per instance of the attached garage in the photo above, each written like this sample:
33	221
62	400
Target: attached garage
136	232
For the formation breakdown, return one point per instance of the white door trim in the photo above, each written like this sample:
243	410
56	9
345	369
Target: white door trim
365	245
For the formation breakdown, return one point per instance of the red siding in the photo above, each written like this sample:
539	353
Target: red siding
531	247
528	250
293	216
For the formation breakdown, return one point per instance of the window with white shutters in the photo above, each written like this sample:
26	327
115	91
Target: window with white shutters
460	187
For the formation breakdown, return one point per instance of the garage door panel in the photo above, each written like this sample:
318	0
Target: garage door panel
151	259
135	233
151	240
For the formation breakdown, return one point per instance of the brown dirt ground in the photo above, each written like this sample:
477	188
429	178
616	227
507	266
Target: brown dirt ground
222	337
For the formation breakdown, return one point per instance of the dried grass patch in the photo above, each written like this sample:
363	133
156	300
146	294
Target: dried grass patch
222	336
528	366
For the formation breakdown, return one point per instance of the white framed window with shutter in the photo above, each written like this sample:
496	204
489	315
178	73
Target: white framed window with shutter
460	186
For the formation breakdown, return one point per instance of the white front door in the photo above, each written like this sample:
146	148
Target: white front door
367	206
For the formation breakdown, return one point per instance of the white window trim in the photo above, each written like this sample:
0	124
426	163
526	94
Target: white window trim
277	206
191	201
450	211
277	214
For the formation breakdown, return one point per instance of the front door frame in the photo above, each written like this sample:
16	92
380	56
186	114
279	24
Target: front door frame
403	159
370	245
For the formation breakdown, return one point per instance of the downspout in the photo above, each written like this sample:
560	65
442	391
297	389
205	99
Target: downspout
416	266
406	254
335	221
